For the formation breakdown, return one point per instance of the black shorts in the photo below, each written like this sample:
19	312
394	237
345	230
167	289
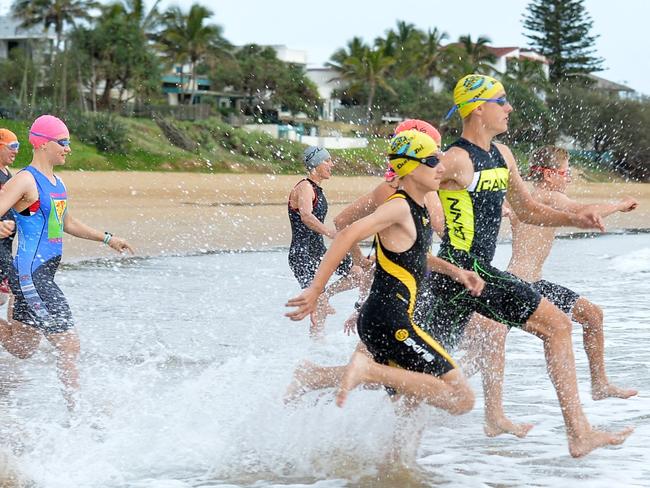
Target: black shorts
392	338
445	306
304	264
48	310
558	295
6	259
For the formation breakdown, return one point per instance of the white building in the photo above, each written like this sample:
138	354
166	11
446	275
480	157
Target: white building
13	36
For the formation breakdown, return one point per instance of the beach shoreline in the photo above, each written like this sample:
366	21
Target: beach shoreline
188	213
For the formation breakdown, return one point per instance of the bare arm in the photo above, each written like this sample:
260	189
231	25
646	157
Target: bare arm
305	197
392	212
529	211
360	208
77	228
560	201
434	206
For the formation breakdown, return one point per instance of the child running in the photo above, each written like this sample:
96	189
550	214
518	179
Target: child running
405	358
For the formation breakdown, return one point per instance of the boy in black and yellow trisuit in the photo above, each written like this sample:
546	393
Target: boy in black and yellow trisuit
404	357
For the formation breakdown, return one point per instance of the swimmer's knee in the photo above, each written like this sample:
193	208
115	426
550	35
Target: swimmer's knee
464	400
587	313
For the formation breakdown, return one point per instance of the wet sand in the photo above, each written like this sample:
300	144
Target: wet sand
180	213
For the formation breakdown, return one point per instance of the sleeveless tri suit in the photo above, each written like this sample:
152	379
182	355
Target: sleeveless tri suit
308	246
472	221
38	300
386	325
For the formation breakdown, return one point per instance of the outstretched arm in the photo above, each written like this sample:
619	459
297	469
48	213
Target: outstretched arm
529	211
77	228
560	201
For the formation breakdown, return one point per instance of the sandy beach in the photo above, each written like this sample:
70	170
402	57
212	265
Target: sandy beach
180	213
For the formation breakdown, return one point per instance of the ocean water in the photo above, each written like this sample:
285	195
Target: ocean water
185	361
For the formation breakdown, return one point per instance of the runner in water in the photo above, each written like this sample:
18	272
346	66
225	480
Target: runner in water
9	147
531	246
307	209
40	206
479	174
368	203
405	358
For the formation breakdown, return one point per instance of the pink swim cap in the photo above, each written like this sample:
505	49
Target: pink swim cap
422	126
46	128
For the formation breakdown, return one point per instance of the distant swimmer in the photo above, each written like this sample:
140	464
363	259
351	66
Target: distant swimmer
479	174
307	209
39	202
9	147
403	357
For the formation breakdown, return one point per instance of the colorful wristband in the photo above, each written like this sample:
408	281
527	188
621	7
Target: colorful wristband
107	237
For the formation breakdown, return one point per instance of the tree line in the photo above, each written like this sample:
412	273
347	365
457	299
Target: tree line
122	47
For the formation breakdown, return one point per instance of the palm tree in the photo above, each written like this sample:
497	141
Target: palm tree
57	14
527	72
431	54
478	54
362	66
467	56
136	11
53	13
187	38
404	44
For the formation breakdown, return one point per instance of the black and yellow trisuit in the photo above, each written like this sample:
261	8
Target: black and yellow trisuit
472	221
386	324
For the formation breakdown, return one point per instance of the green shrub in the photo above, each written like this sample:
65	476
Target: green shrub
102	130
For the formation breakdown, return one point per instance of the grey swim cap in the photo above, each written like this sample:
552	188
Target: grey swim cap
314	156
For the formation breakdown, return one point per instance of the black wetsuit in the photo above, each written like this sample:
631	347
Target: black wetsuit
308	246
472	221
386	324
6	259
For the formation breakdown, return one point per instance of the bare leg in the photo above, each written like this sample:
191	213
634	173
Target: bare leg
67	348
309	376
450	392
590	316
18	339
554	328
487	342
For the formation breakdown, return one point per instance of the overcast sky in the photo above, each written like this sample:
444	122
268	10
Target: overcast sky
321	27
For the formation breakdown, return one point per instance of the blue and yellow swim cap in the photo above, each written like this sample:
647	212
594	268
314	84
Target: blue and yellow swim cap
409	149
471	87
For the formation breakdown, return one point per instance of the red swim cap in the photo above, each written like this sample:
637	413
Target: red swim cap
422	126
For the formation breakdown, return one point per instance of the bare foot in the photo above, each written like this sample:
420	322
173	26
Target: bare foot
353	376
300	384
582	445
611	391
505	426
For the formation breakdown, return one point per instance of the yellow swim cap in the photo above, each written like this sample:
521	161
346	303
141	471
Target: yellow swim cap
471	87
409	149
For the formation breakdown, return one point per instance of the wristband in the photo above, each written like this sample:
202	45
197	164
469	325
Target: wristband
357	305
107	237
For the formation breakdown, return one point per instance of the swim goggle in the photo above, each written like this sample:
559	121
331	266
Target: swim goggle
14	146
561	172
60	142
430	161
501	101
